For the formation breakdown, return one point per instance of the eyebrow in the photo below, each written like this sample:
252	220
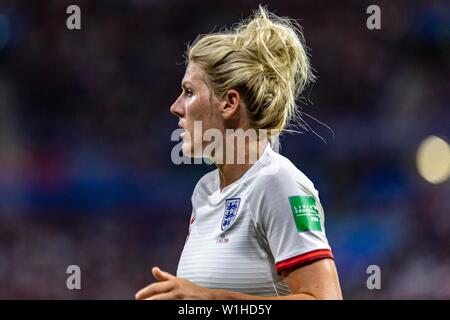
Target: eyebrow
184	83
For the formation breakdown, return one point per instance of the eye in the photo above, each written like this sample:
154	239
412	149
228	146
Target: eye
188	93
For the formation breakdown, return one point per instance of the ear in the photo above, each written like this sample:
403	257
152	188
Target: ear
230	104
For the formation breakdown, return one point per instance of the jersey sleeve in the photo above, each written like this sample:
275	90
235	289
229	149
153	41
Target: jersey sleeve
291	218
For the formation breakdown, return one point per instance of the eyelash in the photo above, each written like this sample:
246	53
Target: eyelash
188	93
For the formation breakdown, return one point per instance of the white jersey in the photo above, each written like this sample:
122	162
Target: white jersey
242	237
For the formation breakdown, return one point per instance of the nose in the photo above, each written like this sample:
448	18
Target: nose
177	108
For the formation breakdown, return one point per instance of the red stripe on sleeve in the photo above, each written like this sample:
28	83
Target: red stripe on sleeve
304	258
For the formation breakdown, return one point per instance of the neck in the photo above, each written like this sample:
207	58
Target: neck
231	172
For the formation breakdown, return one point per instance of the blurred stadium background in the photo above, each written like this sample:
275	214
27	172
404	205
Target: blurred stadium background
85	170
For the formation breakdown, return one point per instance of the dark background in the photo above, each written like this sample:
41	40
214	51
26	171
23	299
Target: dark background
85	171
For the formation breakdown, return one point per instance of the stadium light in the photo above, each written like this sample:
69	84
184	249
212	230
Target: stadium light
433	159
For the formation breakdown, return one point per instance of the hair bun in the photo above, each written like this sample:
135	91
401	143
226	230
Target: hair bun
264	58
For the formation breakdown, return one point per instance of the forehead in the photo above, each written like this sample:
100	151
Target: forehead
193	74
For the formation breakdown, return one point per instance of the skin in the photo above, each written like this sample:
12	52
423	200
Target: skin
318	280
196	103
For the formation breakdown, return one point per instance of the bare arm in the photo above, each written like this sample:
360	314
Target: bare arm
318	280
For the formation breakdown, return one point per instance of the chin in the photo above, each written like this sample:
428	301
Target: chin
187	149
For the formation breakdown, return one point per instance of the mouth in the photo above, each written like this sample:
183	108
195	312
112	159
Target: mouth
184	130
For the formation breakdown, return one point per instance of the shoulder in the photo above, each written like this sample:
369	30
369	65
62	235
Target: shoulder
279	191
279	175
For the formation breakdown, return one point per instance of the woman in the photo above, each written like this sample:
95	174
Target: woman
257	227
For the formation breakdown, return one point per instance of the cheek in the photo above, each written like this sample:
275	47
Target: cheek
194	108
191	116
199	109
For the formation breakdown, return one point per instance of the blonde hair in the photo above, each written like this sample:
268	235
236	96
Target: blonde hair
264	59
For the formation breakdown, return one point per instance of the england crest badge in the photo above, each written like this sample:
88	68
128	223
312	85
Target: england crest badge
231	210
